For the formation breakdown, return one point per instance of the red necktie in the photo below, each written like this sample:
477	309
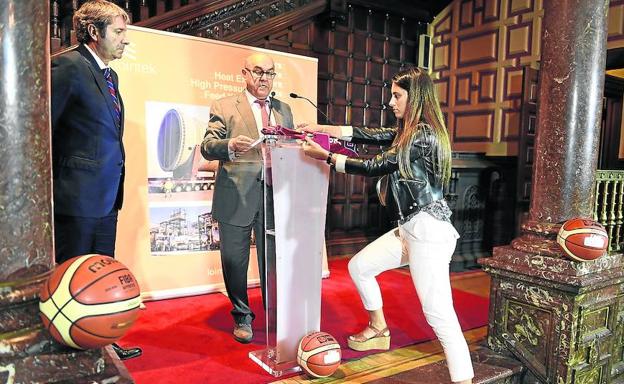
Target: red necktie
263	113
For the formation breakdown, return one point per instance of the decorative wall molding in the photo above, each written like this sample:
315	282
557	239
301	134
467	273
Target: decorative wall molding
237	21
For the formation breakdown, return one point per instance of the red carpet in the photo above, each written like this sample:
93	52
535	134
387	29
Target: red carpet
188	340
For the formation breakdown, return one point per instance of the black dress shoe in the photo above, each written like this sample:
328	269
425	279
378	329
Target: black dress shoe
125	354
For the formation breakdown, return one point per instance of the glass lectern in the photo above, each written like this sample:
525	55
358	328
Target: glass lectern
295	204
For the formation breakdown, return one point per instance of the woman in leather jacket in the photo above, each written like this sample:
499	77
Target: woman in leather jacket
415	169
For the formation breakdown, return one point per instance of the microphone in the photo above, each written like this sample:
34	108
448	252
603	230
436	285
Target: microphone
295	96
272	95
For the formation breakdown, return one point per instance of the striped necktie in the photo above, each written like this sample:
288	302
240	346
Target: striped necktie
113	93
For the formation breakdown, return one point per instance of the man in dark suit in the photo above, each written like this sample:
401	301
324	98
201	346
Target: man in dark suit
235	123
87	126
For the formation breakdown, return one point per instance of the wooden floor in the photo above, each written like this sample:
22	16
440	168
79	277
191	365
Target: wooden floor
375	367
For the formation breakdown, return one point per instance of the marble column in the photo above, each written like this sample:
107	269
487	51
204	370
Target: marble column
27	352
26	256
562	319
571	78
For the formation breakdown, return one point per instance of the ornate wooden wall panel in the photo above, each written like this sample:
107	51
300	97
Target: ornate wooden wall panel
479	50
480	47
615	32
611	138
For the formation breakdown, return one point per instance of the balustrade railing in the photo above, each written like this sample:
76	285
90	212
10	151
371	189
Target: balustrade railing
609	206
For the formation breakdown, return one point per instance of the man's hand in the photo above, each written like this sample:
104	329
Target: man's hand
240	144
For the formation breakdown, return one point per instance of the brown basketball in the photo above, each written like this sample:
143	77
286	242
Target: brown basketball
89	301
319	354
583	239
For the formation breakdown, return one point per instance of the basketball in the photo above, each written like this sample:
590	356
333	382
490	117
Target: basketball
319	354
583	239
89	301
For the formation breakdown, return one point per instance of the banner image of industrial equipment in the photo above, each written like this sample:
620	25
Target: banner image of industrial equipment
178	175
178	230
176	169
166	234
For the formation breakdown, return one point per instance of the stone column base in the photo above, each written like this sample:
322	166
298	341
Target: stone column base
563	320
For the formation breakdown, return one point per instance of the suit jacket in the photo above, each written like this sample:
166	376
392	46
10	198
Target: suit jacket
238	190
87	150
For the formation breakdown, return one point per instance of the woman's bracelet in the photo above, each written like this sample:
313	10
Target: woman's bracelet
329	158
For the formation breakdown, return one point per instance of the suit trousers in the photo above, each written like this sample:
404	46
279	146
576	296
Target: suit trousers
235	244
76	236
427	245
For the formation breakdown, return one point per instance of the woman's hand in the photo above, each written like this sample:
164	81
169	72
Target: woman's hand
313	149
331	130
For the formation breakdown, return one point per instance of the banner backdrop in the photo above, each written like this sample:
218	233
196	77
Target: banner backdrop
166	235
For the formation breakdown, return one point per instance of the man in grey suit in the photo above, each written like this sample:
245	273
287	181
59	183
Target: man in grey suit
235	124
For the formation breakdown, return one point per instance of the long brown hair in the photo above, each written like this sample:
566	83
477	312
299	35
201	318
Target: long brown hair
422	107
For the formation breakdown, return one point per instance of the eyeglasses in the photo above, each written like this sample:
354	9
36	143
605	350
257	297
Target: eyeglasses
258	73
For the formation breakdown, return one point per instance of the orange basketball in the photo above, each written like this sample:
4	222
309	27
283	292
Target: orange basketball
583	239
319	354
89	301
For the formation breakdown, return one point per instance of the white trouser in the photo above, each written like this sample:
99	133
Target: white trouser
426	244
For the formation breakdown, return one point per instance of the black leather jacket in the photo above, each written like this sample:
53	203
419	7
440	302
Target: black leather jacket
410	195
